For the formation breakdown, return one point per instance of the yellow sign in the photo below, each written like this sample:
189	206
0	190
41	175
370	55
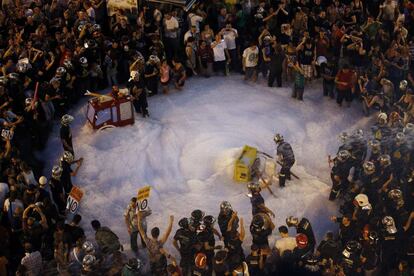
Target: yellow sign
144	193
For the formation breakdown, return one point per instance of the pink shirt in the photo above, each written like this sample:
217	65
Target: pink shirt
165	73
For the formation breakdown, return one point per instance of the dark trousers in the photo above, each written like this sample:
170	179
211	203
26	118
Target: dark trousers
328	89
344	95
284	174
171	47
297	93
152	85
275	75
234	64
134	241
141	105
220	66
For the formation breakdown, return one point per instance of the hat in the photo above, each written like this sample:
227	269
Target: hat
42	181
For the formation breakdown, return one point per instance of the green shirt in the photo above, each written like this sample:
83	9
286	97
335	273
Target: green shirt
372	29
299	80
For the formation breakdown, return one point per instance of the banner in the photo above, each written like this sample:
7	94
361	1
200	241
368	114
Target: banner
143	196
128	6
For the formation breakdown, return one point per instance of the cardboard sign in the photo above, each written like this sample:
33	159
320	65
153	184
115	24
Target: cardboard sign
143	196
144	193
74	198
76	193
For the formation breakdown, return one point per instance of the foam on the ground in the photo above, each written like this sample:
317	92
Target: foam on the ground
186	152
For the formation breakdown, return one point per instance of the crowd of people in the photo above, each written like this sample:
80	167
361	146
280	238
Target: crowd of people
52	52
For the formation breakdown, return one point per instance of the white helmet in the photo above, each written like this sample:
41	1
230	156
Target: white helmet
361	200
88	262
154	59
60	71
396	195
409	128
400	137
385	160
343	136
67	63
292	221
343	155
389	225
88	247
57	172
42	181
382	117
278	138
134	75
369	167
23	67
67	156
28	101
253	186
403	85
66	119
226	206
83	61
359	133
374	143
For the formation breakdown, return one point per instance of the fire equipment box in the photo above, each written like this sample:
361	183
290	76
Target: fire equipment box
115	112
243	165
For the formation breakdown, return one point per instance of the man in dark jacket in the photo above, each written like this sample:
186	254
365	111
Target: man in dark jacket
107	240
276	64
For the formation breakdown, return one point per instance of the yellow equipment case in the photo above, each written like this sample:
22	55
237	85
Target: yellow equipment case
243	165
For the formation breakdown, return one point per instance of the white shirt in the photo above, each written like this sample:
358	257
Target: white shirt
195	20
251	56
33	263
283	244
230	38
91	13
171	24
187	35
4	189
218	50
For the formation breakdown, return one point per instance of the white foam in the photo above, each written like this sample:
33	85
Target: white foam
186	151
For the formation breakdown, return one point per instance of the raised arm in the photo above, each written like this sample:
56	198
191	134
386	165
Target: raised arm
43	220
242	232
168	232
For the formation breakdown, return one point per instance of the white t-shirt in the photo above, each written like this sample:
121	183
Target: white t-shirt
171	24
187	35
91	13
251	56
195	20
230	38
283	244
218	50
